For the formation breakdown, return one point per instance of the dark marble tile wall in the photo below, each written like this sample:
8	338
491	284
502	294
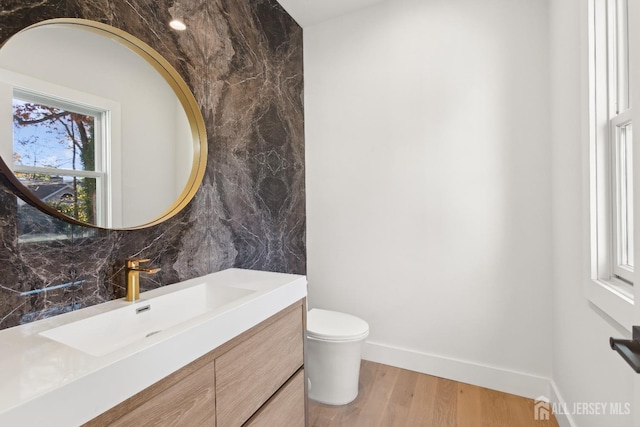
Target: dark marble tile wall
243	61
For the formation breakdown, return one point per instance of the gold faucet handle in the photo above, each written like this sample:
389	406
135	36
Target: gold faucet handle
135	262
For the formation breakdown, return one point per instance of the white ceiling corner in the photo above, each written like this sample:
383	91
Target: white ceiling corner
311	12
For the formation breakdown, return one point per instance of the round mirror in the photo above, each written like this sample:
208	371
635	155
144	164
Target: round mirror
97	128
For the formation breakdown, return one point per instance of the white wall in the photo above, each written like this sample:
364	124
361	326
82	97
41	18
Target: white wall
585	369
428	185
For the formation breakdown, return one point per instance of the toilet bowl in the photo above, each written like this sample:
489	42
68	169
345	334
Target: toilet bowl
334	347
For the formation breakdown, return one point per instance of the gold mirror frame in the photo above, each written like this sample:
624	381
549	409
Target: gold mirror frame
182	92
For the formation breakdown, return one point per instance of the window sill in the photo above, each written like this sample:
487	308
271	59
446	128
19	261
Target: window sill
614	299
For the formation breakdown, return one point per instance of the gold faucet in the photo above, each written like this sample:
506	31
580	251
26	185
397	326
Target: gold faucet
133	277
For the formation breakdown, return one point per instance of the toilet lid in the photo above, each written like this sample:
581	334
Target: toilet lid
335	326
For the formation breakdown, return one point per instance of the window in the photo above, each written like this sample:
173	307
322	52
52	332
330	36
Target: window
58	154
611	166
622	198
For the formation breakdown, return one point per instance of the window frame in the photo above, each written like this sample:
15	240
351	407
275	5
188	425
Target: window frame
101	142
621	193
611	285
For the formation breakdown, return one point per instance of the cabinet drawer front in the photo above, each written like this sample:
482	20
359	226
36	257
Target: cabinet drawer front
286	408
189	402
250	373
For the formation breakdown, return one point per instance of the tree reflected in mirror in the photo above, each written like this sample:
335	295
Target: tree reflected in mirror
52	148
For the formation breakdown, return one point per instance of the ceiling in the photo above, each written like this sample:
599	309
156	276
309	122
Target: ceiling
310	12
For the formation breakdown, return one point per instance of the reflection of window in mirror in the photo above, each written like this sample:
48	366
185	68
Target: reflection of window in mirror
33	225
65	145
59	153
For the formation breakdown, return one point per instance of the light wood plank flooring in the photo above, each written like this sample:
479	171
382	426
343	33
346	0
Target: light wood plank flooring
394	397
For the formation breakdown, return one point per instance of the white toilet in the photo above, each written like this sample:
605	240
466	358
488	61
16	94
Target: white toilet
334	346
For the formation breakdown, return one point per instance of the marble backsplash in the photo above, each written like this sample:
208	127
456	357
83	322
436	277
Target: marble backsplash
242	60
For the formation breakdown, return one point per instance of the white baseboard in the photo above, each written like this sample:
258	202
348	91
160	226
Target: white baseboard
564	420
512	382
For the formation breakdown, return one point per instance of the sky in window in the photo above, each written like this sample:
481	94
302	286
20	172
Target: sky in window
43	145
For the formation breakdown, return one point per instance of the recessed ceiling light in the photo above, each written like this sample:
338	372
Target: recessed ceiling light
177	24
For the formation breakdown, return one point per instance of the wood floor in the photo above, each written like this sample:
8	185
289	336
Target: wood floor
391	397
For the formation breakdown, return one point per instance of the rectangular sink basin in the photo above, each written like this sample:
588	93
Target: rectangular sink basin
104	333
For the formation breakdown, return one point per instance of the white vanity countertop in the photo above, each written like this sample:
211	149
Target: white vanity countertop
43	382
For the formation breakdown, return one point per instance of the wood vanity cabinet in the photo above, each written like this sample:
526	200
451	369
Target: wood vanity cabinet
255	379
